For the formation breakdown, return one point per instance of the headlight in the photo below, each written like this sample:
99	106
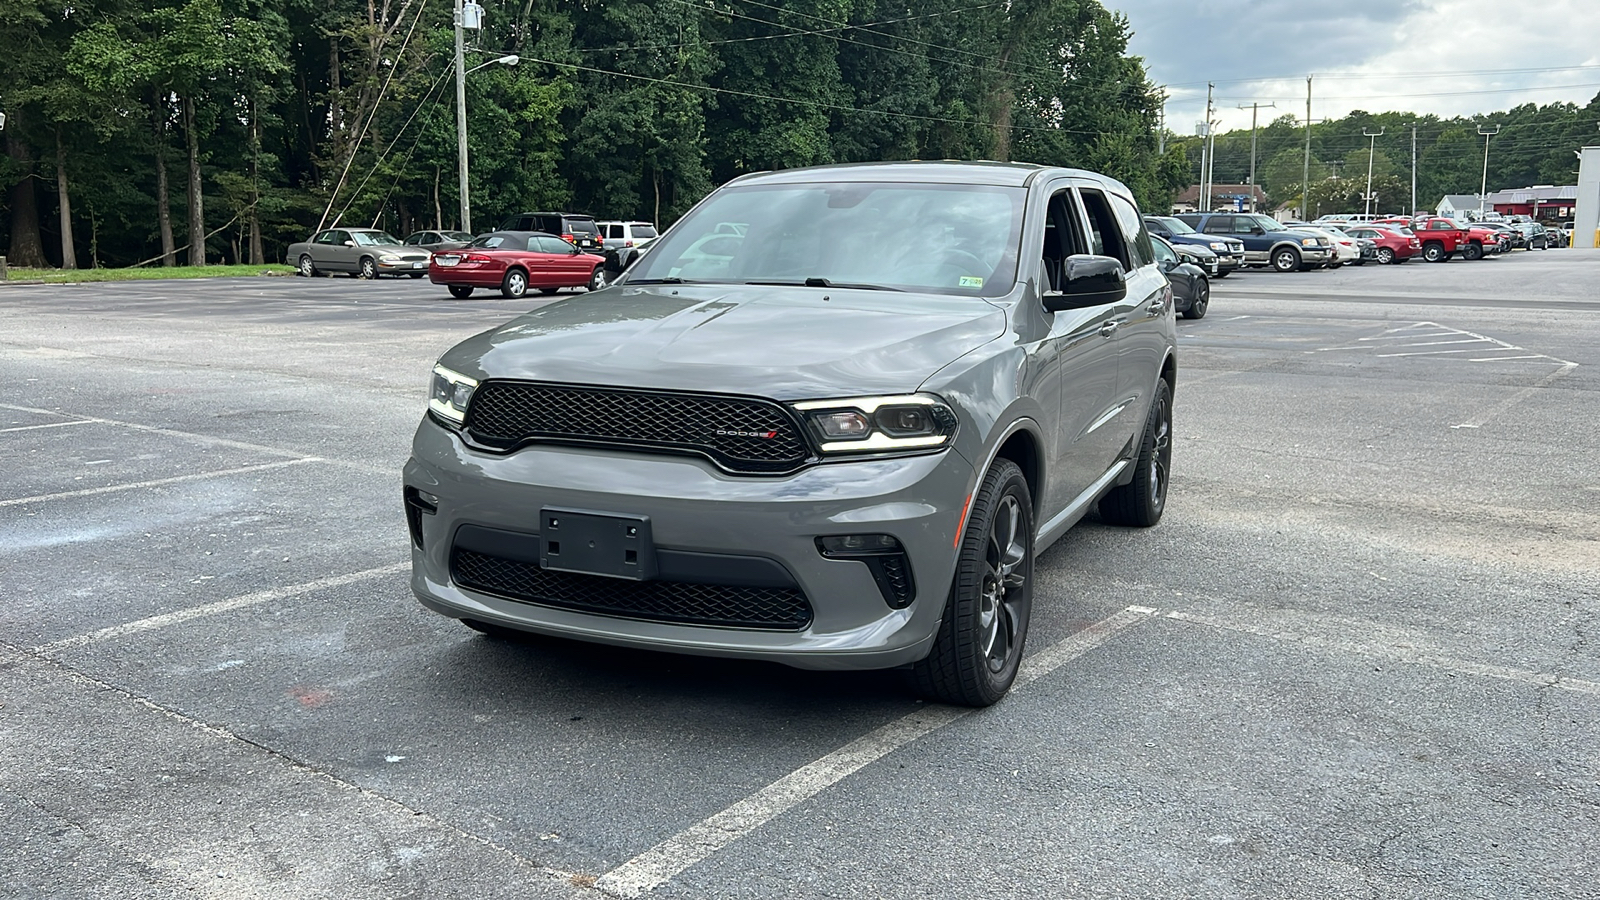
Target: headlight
387	257
1310	242
1218	245
450	394
879	424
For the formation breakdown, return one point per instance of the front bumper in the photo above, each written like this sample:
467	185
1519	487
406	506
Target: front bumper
402	266
695	508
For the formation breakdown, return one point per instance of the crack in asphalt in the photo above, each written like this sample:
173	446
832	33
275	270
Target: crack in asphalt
569	878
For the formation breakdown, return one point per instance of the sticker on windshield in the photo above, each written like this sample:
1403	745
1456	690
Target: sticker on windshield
971	281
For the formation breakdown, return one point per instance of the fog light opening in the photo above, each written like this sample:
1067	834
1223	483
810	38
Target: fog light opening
883	556
418	504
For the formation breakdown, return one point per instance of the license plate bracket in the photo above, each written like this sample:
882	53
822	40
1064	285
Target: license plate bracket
595	543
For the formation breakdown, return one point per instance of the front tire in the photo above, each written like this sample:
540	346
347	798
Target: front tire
597	278
1202	299
979	644
515	285
369	268
1140	502
461	291
1472	251
1286	259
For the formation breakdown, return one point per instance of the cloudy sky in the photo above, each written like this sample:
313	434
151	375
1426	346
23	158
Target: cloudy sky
1447	57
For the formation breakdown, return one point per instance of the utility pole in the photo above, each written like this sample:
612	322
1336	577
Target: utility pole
1161	131
1413	210
461	120
1305	180
1255	109
1209	153
1372	150
1483	188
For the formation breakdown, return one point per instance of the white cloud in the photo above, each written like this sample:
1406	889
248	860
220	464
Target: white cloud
1375	55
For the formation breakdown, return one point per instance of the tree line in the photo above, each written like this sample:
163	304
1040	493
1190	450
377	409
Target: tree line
199	131
1535	144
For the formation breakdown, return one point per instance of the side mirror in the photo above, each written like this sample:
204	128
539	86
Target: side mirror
349	243
1088	281
1257	229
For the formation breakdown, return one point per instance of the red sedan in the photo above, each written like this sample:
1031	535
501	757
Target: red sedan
514	261
1393	247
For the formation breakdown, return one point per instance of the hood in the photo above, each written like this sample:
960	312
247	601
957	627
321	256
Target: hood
1208	238
778	342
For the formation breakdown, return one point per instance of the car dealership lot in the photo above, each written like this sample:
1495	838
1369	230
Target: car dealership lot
1356	658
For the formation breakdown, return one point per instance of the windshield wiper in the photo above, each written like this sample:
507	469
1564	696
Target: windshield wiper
670	279
825	283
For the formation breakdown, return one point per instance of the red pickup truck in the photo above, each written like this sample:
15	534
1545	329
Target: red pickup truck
1441	238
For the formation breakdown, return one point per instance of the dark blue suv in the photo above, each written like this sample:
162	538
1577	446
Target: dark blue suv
1266	241
1229	251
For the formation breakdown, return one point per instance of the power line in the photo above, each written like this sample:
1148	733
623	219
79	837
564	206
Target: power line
1382	75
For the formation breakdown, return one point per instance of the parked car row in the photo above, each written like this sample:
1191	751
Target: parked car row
543	251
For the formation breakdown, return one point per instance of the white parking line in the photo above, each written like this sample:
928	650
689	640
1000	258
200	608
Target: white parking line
654	867
208	439
1402	652
1518	397
46	425
211	609
156	482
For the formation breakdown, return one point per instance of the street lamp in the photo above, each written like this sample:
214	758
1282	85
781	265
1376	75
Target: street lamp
1372	149
468	15
1483	187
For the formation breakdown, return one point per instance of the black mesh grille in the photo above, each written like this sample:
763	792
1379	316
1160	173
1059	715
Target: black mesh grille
742	434
665	601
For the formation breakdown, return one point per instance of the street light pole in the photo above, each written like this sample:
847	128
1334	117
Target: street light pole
1483	186
461	122
1372	150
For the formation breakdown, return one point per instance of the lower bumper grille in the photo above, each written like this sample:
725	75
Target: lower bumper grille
781	609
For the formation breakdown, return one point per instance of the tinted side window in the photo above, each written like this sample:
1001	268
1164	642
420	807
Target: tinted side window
1156	226
1105	239
1219	225
1134	235
550	245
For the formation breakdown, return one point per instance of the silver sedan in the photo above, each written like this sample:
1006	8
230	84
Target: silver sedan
366	252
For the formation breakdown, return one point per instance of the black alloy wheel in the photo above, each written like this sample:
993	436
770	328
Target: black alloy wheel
369	268
461	291
1202	299
1385	256
979	644
515	284
1140	502
1286	259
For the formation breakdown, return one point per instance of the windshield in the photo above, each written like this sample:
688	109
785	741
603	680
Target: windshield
373	238
848	234
1176	226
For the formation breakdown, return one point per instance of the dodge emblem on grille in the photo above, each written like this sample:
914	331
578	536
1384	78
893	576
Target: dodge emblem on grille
756	434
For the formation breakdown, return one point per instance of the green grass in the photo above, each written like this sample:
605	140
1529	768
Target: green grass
146	273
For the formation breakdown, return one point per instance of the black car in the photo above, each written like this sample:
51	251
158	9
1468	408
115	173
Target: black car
573	228
1191	290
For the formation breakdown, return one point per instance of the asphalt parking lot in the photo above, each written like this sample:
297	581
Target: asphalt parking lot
1357	658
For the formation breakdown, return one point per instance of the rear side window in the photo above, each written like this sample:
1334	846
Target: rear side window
548	244
1134	234
644	231
1105	236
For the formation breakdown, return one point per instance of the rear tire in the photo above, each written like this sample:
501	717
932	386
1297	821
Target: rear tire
978	646
1140	502
306	268
1385	256
1202	299
461	291
1433	252
1286	259
515	284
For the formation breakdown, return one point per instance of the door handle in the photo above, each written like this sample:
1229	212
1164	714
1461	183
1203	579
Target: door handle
1108	329
1158	305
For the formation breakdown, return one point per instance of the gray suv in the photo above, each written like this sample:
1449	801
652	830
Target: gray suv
789	434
